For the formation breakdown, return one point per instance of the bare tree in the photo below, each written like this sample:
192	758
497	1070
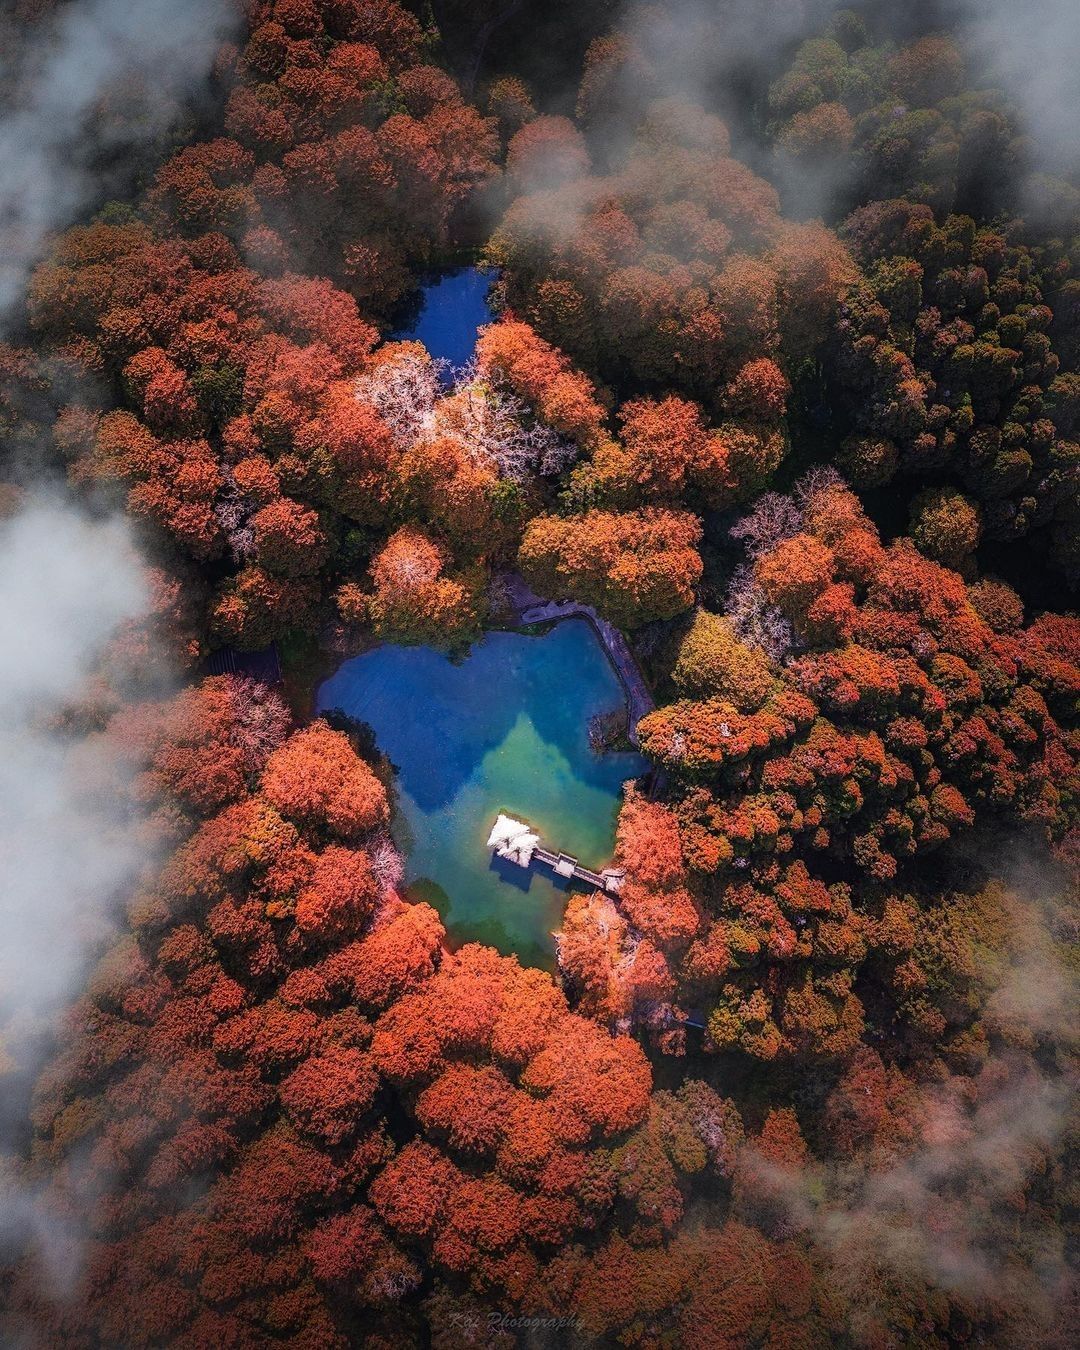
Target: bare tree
261	721
404	392
819	478
773	519
495	428
233	510
387	863
757	623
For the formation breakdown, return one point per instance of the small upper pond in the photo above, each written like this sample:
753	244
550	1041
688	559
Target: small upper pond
506	729
448	312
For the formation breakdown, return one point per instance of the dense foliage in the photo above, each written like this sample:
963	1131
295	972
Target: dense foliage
805	1079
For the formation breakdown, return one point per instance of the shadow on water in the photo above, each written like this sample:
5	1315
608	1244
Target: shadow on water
558	717
505	729
451	717
425	891
504	936
512	873
563	884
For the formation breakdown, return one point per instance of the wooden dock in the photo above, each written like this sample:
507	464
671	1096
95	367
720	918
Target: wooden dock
563	865
514	840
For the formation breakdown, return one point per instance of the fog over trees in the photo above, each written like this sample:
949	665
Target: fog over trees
782	380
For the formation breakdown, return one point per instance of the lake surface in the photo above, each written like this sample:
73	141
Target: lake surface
450	311
504	730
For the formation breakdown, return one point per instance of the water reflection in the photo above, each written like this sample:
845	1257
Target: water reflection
447	313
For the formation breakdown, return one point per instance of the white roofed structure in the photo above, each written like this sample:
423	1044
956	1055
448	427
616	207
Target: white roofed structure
513	839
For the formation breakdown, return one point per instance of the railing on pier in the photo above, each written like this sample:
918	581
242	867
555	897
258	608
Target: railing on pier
565	866
514	840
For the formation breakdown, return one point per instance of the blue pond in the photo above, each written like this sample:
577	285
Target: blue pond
451	310
506	729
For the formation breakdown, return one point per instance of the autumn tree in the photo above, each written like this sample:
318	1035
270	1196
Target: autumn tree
946	526
633	567
710	660
412	597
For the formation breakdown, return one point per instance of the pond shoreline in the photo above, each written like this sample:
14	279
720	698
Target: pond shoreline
530	608
526	609
502	729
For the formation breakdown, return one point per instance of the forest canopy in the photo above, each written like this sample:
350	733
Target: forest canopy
780	386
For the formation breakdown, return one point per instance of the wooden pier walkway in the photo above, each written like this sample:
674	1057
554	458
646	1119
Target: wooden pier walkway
565	866
515	841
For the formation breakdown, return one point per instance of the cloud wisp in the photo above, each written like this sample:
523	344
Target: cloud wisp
93	84
150	56
67	583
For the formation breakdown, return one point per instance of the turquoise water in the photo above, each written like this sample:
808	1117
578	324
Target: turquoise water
506	729
451	310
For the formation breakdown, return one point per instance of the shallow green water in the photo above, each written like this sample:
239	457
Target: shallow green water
504	730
